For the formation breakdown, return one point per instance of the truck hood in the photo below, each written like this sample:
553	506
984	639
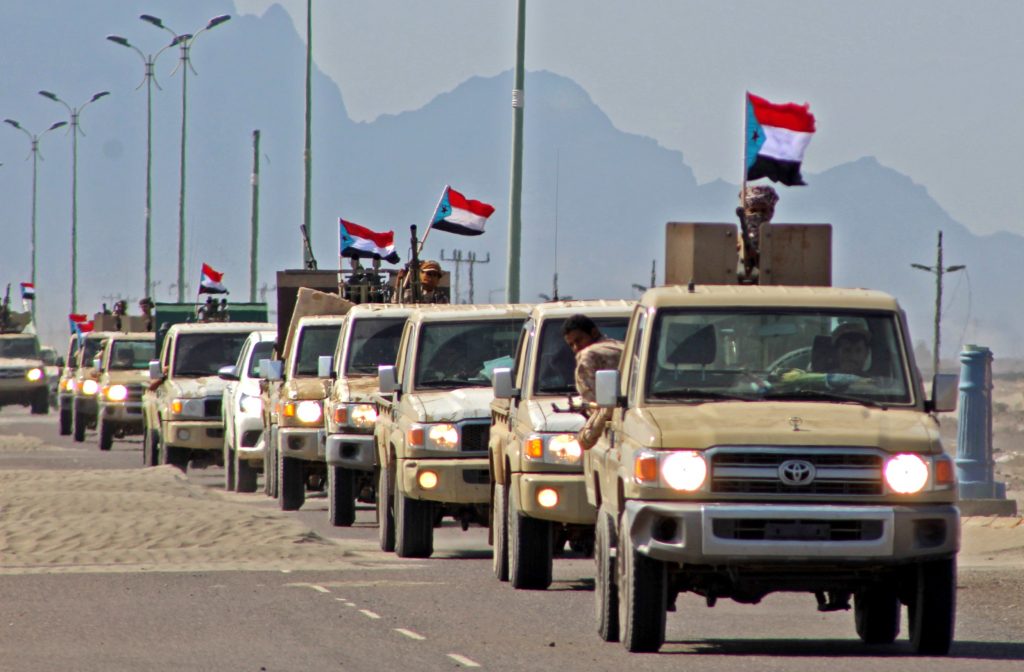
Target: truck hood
205	386
305	388
355	388
544	419
466	403
772	424
126	377
20	363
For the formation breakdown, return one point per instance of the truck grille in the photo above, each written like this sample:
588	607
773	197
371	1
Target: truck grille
475	437
134	393
211	408
756	471
6	374
798	530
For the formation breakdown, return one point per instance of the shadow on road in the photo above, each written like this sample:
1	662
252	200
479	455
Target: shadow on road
834	647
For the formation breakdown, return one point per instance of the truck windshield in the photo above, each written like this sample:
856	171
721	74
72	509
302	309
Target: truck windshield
315	342
200	354
262	350
90	348
374	342
556	365
463	354
23	346
128	355
779	354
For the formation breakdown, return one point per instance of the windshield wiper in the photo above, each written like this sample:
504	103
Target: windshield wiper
804	395
452	382
195	372
698	394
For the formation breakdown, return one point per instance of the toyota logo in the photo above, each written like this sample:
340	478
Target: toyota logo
796	472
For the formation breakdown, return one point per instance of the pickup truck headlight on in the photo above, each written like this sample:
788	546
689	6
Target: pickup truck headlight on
69	385
34	374
681	470
360	416
90	387
441	436
115	392
194	408
906	473
307	412
554	448
249	404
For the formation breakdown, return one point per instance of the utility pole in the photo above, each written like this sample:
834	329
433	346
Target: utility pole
471	260
307	156
939	270
255	236
515	224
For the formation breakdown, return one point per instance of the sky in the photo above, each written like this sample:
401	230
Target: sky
928	87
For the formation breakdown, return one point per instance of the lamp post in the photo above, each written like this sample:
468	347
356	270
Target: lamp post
75	113
938	270
34	139
515	223
149	78
185	42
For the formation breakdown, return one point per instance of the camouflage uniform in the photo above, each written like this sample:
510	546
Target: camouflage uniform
435	296
757	210
599	355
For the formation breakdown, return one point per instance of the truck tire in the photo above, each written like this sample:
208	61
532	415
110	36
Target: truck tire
106	434
174	456
385	512
499	516
605	590
78	420
341	496
530	548
41	403
65	422
291	486
932	611
876	614
414	527
229	467
642	597
150	441
246	476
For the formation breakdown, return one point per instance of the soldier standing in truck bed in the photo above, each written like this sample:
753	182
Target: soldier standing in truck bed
430	277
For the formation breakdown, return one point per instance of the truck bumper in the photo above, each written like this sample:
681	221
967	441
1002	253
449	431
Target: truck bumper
127	414
196	434
571	505
459	480
351	451
696	533
248	438
302	443
87	406
20	390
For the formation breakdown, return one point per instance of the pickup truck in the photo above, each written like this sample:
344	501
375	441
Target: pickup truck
243	413
22	372
369	339
433	421
123	376
538	500
86	385
771	438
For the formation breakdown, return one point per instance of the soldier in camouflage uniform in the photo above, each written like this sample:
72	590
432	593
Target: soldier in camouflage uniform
756	212
594	352
430	276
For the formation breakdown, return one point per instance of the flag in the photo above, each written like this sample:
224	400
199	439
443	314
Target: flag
210	282
358	242
458	214
79	324
777	136
28	291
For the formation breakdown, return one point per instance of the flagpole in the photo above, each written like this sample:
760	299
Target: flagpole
426	233
746	127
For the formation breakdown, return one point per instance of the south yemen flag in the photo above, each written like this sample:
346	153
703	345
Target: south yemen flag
457	214
777	136
358	242
210	282
28	291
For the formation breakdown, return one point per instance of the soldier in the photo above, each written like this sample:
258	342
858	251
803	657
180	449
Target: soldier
594	352
430	277
757	210
146	306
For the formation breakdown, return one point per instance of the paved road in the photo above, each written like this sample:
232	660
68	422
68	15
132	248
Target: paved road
444	613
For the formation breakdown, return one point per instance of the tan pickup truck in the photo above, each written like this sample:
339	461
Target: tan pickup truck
86	384
369	339
123	376
769	439
433	420
538	498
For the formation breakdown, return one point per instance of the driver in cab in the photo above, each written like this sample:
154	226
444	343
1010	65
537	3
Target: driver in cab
845	362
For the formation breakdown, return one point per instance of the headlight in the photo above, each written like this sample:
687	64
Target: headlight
90	387
250	404
116	393
308	411
34	374
195	408
906	473
553	448
443	436
69	385
685	470
363	415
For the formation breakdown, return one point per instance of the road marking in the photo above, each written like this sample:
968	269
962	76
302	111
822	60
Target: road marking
319	589
410	634
341	599
462	660
369	614
350	604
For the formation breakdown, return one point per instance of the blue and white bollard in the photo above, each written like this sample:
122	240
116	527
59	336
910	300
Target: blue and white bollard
974	465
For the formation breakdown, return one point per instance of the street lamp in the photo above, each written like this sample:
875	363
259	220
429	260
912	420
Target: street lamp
75	113
185	42
149	78
34	139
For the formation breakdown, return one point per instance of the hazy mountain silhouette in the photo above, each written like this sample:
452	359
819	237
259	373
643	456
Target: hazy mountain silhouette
615	190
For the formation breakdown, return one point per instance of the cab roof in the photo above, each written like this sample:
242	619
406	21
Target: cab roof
468	312
779	296
363	310
321	319
132	336
220	327
592	308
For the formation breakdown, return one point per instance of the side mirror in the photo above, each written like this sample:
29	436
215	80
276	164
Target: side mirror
154	370
945	390
271	369
228	372
502	383
60	361
325	366
606	388
386	380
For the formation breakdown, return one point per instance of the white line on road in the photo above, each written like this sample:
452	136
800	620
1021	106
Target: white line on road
319	589
341	599
462	660
410	634
368	613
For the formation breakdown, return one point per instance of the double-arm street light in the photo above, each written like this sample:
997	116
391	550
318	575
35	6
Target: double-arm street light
75	113
34	139
185	42
149	79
